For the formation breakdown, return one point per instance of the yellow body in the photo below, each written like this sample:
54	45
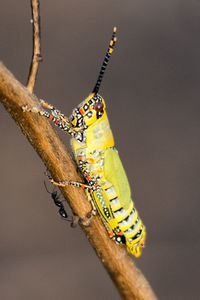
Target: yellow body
104	166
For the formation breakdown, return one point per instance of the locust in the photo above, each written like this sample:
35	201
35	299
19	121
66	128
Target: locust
93	146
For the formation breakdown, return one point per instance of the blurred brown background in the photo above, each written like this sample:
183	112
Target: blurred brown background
152	92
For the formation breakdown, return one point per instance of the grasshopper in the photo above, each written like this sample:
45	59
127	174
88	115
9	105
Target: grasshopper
99	162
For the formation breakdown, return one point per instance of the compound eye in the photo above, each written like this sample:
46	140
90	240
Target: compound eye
99	106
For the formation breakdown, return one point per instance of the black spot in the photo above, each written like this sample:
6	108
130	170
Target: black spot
123	239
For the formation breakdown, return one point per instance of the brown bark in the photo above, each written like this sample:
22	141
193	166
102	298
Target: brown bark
36	56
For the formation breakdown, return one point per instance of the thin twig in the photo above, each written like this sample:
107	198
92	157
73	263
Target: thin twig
36	55
130	282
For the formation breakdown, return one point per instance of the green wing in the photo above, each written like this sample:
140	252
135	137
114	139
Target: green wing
114	173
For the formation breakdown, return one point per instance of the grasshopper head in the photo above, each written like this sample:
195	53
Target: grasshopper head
93	107
88	112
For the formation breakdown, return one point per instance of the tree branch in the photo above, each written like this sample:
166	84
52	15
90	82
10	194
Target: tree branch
36	56
129	280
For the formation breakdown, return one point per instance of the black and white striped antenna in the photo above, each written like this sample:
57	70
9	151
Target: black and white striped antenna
105	61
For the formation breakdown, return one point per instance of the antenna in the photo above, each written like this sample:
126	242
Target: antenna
105	61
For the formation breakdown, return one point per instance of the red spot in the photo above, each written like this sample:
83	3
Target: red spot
74	122
91	160
50	117
79	157
120	233
57	121
81	111
88	177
